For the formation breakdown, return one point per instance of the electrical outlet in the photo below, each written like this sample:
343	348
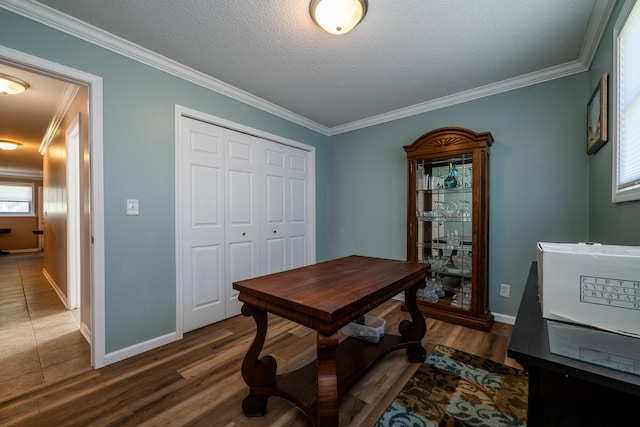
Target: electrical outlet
505	290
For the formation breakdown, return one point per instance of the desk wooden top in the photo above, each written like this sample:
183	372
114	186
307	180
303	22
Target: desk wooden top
328	295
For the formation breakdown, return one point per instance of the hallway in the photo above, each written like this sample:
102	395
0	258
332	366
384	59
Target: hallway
41	340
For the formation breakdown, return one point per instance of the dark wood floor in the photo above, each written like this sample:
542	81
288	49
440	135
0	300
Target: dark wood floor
197	381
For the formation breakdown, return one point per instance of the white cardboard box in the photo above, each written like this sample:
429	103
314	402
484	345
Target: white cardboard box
594	285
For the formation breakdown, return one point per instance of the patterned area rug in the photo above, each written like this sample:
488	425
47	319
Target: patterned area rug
453	388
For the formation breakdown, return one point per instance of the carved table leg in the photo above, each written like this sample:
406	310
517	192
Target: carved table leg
327	399
257	372
415	329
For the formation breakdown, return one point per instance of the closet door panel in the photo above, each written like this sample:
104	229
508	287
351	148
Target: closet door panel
273	224
297	227
275	255
242	226
298	253
206	264
240	203
202	224
286	206
242	261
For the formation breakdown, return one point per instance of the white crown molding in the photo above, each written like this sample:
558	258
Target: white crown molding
595	29
20	173
536	77
52	18
64	102
82	30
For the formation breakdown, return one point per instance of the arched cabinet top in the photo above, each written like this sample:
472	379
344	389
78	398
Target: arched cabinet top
446	139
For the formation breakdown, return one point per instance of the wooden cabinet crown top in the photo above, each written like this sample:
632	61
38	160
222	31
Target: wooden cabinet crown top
447	138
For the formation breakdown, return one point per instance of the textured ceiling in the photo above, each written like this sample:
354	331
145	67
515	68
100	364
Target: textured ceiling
25	118
405	57
403	53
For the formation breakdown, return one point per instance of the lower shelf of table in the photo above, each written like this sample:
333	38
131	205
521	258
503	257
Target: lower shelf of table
353	359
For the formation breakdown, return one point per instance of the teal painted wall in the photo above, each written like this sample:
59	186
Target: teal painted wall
539	178
139	163
610	223
543	185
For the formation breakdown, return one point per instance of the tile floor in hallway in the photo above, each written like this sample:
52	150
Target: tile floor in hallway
40	339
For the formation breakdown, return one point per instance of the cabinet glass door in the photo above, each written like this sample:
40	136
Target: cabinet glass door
444	235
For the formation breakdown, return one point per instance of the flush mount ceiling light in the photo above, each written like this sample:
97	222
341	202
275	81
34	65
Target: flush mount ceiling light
338	16
10	85
9	145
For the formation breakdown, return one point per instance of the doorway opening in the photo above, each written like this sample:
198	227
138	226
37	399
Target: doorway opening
84	247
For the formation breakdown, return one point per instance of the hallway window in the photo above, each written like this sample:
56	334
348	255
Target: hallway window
16	199
626	154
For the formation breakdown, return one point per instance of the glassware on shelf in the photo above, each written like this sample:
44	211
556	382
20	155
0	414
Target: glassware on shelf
462	261
428	215
438	263
453	239
437	285
429	293
451	181
456	301
438	210
466	295
464	210
462	297
465	177
450	209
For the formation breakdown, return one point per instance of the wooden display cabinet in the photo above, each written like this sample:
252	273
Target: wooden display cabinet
448	223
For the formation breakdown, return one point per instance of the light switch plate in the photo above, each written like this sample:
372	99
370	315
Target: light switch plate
132	207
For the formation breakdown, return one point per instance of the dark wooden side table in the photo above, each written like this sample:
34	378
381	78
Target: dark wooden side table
565	391
326	297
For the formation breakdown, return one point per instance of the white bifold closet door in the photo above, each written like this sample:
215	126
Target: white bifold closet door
244	214
242	208
284	221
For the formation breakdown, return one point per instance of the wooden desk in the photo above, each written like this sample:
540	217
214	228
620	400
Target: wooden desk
564	391
326	297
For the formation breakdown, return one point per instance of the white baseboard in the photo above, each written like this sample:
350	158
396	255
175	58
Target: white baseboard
21	251
139	348
504	318
55	287
86	332
84	329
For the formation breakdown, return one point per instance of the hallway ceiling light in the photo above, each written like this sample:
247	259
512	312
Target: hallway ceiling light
9	145
10	85
338	16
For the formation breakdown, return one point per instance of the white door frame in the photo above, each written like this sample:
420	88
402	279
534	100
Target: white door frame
181	111
40	217
33	63
73	214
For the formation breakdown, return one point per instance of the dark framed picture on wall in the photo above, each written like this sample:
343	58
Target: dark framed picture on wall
597	117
